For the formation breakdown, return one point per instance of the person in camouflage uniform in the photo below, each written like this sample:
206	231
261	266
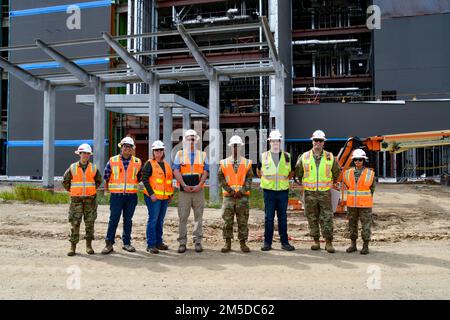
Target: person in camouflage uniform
235	178
360	208
318	209
83	199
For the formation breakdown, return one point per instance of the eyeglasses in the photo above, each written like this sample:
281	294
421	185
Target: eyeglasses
190	139
127	146
318	140
358	159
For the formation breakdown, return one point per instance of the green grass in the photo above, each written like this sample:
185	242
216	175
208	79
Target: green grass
29	193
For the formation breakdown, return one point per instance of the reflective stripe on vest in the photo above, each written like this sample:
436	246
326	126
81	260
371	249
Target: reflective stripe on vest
186	168
321	179
83	182
121	180
359	194
274	177
161	183
235	180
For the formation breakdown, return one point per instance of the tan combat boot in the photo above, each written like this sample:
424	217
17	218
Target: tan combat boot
89	249
365	248
352	247
329	247
316	245
244	247
227	247
73	247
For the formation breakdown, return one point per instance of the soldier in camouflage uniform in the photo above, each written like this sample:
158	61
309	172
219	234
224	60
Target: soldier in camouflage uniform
235	178
317	186
359	200
82	179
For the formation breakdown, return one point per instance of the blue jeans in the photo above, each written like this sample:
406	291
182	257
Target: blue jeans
275	201
156	213
119	203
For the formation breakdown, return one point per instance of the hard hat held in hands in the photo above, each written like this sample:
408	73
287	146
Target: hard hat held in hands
157	145
84	148
235	140
359	153
275	135
319	134
126	140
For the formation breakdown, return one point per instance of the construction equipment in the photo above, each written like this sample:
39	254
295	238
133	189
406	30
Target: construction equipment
395	143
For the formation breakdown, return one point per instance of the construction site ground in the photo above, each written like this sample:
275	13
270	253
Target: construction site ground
409	259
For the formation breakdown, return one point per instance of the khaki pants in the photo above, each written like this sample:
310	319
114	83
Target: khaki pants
186	201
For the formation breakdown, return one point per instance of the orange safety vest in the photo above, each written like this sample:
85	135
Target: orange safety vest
234	179
161	183
121	180
358	194
186	168
83	182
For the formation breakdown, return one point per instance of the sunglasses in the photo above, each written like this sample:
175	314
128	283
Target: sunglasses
358	159
318	140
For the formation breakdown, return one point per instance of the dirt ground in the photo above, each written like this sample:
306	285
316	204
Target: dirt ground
410	257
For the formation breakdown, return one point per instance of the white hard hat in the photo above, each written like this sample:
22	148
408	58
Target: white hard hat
235	140
126	140
359	153
158	144
84	148
319	134
191	132
275	135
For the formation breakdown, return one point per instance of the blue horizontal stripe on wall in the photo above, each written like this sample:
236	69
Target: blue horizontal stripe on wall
58	143
309	139
51	65
60	8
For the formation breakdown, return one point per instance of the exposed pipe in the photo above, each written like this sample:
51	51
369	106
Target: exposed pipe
303	42
199	19
303	89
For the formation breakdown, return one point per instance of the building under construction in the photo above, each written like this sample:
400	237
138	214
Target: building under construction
338	74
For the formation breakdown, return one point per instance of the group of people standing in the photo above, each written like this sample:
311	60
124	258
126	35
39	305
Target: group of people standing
317	170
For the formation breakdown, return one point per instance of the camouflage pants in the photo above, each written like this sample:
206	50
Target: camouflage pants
363	214
318	212
240	208
82	208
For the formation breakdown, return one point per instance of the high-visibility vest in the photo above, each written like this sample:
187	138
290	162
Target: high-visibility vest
161	183
83	182
235	180
359	194
121	180
186	168
317	179
274	177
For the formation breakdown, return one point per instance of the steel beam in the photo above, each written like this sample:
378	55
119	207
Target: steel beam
48	150
99	126
153	110
23	75
214	138
167	133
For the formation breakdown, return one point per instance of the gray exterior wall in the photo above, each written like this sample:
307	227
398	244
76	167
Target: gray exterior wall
340	120
412	55
285	43
73	122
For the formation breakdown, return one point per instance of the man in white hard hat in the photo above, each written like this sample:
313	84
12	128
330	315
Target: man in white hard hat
360	185
82	179
158	182
275	170
318	171
122	175
190	168
235	178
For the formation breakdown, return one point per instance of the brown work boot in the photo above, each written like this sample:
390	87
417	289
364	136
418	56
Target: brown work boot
365	248
316	245
73	247
329	246
227	247
108	248
352	247
244	247
89	249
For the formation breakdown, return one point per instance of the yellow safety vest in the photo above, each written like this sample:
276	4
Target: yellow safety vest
317	180
274	177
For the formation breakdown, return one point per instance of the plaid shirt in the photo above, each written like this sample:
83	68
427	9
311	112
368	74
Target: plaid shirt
107	172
